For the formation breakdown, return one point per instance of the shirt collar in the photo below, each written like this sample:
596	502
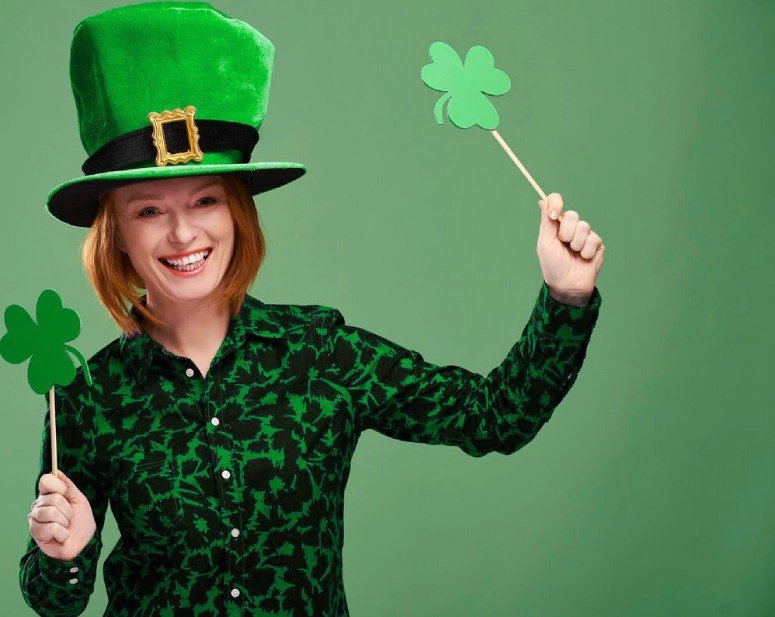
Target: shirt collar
255	318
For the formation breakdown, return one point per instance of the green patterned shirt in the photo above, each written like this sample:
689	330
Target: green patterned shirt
228	489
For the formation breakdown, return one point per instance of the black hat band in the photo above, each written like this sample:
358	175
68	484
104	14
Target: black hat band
138	146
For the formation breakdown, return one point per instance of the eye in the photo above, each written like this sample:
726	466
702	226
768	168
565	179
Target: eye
140	214
214	199
204	201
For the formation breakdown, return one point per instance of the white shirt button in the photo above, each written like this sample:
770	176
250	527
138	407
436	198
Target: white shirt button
234	592
190	372
235	532
225	473
74	569
73	581
215	421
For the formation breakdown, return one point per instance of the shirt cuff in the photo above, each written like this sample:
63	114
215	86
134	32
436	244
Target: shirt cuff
71	573
551	317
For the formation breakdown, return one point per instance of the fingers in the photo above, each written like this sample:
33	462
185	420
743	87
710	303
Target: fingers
573	231
50	518
591	245
59	533
580	235
555	206
45	532
57	501
568	226
552	203
47	521
51	509
49	483
49	514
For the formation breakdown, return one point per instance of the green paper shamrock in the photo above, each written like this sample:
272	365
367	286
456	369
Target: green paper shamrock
465	85
45	342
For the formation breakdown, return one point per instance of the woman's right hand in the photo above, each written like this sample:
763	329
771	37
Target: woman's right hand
61	519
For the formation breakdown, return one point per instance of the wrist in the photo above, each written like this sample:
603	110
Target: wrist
570	298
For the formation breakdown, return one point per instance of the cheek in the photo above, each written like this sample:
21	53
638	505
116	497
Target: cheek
138	244
128	230
223	226
123	237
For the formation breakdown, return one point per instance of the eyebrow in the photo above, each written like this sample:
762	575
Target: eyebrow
145	196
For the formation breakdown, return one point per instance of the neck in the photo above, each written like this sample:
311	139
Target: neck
192	328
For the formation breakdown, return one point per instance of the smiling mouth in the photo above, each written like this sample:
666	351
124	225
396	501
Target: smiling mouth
187	264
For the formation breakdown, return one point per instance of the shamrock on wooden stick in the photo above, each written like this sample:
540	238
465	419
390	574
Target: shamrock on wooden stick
465	86
45	343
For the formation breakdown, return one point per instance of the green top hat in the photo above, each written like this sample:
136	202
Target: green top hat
166	89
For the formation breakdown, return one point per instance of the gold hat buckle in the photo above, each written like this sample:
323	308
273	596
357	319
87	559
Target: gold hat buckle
163	157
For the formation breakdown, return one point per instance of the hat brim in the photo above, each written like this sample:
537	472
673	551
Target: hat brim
77	201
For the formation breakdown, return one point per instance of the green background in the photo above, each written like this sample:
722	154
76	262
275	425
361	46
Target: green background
650	491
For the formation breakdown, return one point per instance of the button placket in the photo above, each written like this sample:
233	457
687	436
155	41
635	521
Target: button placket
220	443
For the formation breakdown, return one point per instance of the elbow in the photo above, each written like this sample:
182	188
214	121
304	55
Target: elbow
479	447
507	435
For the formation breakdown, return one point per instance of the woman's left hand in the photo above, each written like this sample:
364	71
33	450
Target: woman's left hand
570	253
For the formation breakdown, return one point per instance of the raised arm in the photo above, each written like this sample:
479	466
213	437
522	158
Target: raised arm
397	393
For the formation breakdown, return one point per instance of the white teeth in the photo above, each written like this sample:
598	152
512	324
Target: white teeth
188	259
189	268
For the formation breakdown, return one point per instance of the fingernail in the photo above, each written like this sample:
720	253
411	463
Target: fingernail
554	214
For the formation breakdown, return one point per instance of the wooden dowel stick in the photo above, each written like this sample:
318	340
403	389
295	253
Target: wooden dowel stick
52	421
514	158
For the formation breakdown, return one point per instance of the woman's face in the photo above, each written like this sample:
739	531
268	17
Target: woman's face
161	219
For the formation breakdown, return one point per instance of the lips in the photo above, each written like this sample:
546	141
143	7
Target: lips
165	260
191	252
187	272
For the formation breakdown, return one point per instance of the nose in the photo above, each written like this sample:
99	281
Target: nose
183	231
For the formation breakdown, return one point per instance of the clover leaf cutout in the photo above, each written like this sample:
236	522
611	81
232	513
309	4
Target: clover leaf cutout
465	85
44	342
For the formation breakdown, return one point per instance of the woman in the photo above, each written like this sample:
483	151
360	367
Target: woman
220	429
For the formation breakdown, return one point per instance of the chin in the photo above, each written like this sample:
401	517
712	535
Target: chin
188	291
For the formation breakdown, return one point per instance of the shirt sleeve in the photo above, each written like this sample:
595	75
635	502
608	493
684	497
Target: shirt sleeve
53	587
397	393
